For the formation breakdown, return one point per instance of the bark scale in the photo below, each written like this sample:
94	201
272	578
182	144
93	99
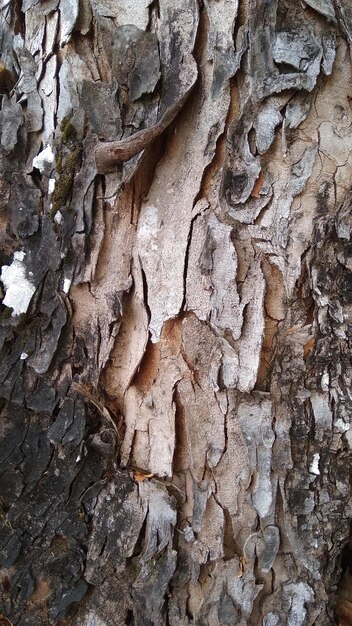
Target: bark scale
175	367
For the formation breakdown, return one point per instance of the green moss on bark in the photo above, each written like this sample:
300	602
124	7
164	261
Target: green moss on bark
68	161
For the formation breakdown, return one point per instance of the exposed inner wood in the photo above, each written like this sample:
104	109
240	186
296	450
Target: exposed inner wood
175	313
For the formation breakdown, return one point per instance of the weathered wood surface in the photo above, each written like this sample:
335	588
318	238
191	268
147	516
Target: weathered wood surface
175	366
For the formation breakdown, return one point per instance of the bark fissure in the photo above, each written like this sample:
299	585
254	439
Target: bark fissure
175	200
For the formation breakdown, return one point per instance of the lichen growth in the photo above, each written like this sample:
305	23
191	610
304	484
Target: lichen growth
68	131
67	162
58	163
64	183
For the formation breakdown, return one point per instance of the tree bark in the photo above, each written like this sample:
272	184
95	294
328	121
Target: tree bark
175	367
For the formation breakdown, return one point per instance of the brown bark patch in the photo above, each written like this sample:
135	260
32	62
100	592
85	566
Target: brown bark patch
148	369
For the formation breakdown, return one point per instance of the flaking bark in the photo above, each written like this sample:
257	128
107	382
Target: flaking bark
175	371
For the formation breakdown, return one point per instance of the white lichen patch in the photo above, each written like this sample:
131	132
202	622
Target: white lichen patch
19	290
325	381
58	217
51	185
314	466
67	285
341	426
44	160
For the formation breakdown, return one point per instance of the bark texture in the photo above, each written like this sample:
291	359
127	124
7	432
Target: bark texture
176	267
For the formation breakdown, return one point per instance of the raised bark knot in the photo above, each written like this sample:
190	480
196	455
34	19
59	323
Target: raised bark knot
110	153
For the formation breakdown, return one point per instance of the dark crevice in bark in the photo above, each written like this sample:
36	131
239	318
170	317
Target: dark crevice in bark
69	518
145	290
185	266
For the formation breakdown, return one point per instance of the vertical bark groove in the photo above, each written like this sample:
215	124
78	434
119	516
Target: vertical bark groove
175	375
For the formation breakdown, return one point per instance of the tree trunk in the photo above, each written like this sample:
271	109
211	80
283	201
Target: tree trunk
175	368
